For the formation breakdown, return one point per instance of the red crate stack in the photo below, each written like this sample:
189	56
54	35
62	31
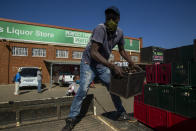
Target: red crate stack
174	119
140	111
164	73
158	73
140	97
180	123
151	73
157	118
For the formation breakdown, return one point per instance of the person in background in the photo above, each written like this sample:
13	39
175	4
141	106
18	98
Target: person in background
17	81
92	85
39	79
73	88
76	72
94	63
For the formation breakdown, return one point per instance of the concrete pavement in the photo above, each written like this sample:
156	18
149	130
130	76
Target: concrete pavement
100	93
100	122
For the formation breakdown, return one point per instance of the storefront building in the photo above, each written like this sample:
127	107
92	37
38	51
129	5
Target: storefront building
49	47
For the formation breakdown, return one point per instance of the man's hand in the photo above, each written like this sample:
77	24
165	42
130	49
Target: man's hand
135	67
117	70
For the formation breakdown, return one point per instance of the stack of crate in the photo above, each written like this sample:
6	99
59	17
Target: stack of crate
169	96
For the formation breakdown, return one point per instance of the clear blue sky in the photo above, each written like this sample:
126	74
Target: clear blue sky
162	23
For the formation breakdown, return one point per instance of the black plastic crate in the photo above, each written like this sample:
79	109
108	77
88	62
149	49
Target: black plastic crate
151	94
166	97
180	54
171	55
183	100
193	103
186	53
127	86
194	49
180	73
192	73
151	55
184	73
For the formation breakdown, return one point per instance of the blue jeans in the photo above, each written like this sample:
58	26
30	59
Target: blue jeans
87	74
39	85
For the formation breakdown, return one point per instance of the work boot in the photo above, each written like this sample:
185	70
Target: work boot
69	124
125	117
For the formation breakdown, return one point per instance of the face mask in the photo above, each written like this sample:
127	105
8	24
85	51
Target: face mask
77	81
111	25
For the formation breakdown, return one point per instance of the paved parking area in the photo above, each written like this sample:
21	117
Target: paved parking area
100	122
100	93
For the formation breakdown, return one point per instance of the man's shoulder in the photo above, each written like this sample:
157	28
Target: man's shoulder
119	31
100	27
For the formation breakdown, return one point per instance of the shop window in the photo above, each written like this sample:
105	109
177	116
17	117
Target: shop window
62	54
19	51
39	52
77	55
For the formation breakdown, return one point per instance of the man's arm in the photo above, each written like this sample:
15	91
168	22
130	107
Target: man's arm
99	58
124	54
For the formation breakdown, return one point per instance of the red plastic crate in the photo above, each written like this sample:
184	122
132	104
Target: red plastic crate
140	97
174	119
151	73
157	118
140	111
164	73
180	123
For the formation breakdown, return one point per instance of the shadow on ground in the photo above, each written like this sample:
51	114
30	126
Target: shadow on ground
114	115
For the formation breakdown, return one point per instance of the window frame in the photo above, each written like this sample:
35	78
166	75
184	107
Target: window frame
78	52
23	51
39	49
59	53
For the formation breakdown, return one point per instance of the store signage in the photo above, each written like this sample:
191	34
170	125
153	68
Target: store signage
157	55
32	33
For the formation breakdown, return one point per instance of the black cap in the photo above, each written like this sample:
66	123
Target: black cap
114	9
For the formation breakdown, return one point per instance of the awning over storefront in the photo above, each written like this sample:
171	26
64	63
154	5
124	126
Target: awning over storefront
58	62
